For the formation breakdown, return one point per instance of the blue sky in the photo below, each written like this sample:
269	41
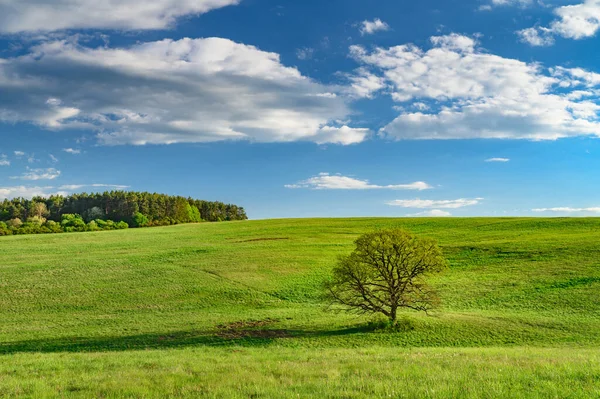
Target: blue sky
307	108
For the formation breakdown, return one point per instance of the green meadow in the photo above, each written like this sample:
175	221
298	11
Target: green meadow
234	310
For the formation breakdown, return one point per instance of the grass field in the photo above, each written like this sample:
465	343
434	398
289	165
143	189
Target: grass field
234	310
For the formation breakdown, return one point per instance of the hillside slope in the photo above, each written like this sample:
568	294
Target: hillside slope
209	288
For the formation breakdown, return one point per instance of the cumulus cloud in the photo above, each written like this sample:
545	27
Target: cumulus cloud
576	21
18	16
370	27
454	42
190	90
434	213
474	94
19	154
537	36
578	77
364	84
4	160
432	204
326	181
39	174
568	210
340	135
503	160
71	151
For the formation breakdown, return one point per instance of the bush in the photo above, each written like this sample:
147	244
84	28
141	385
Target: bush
4	230
122	225
72	222
29	228
140	220
36	220
15	223
53	227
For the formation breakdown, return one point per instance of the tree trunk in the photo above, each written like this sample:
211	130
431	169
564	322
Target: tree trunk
393	315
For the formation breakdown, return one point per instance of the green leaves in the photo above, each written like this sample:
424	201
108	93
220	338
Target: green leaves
386	272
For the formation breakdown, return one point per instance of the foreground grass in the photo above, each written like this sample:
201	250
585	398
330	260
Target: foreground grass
289	373
234	310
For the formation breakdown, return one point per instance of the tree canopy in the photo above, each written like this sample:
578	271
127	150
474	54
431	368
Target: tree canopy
387	272
114	209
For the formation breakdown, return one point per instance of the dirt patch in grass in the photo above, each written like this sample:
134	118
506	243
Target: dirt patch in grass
251	329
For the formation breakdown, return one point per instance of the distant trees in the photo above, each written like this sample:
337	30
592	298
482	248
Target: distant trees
386	272
109	210
93	214
39	210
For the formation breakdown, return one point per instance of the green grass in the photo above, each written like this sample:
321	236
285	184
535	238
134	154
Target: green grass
234	310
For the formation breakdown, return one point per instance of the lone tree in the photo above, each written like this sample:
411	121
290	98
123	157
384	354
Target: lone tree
386	272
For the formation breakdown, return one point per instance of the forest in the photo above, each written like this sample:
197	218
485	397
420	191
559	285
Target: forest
108	211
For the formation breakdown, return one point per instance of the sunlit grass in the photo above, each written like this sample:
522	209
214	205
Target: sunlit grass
146	313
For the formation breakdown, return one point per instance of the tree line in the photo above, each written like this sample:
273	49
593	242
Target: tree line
108	211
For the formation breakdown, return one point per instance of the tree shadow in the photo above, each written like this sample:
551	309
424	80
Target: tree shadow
221	338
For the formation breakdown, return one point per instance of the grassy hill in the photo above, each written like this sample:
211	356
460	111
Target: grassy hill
234	310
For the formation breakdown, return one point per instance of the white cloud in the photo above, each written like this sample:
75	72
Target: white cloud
498	160
364	84
190	90
370	27
4	160
421	106
434	213
454	42
20	154
521	3
72	151
432	204
53	158
340	135
577	21
474	94
577	77
39	174
27	192
35	15
46	191
568	210
75	187
326	181
537	36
